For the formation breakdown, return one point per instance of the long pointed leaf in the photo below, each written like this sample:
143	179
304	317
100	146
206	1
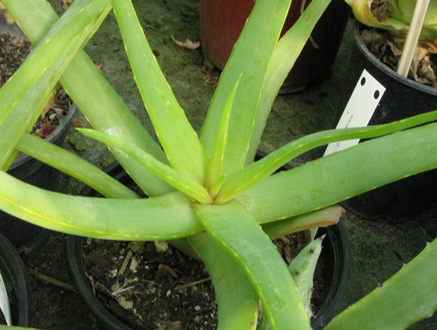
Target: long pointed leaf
406	298
258	38
44	54
285	55
236	298
238	182
343	174
72	34
159	218
91	92
302	270
173	177
67	18
215	165
235	230
180	142
73	165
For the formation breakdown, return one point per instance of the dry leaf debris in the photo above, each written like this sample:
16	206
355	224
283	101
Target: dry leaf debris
190	44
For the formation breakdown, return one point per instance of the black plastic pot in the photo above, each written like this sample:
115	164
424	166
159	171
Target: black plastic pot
403	98
25	236
335	256
337	263
17	284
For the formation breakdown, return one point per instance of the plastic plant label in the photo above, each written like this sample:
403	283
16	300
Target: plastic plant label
360	108
4	302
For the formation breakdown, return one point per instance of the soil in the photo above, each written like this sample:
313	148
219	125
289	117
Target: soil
13	52
388	51
151	285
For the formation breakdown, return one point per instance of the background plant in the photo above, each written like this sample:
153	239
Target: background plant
395	16
206	195
411	38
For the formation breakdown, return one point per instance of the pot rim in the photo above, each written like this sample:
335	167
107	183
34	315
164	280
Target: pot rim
57	132
384	68
15	273
76	269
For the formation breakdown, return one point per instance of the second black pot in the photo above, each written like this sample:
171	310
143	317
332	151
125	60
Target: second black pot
402	98
17	284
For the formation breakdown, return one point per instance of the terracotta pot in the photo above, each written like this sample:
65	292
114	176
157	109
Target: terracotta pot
221	23
402	98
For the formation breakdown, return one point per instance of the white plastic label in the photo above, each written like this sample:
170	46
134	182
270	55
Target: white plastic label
360	108
4	302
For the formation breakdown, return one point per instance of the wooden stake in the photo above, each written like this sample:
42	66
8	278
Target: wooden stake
413	36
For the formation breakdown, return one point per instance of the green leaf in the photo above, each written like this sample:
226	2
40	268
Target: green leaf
73	165
236	298
27	97
302	270
284	56
173	177
42	8
180	142
258	38
78	141
104	109
22	120
72	33
215	166
406	298
240	181
159	218
321	218
235	230
343	174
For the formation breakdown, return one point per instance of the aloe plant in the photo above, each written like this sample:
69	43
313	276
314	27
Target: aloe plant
206	194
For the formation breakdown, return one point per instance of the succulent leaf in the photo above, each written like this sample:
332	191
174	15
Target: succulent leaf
302	270
406	298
